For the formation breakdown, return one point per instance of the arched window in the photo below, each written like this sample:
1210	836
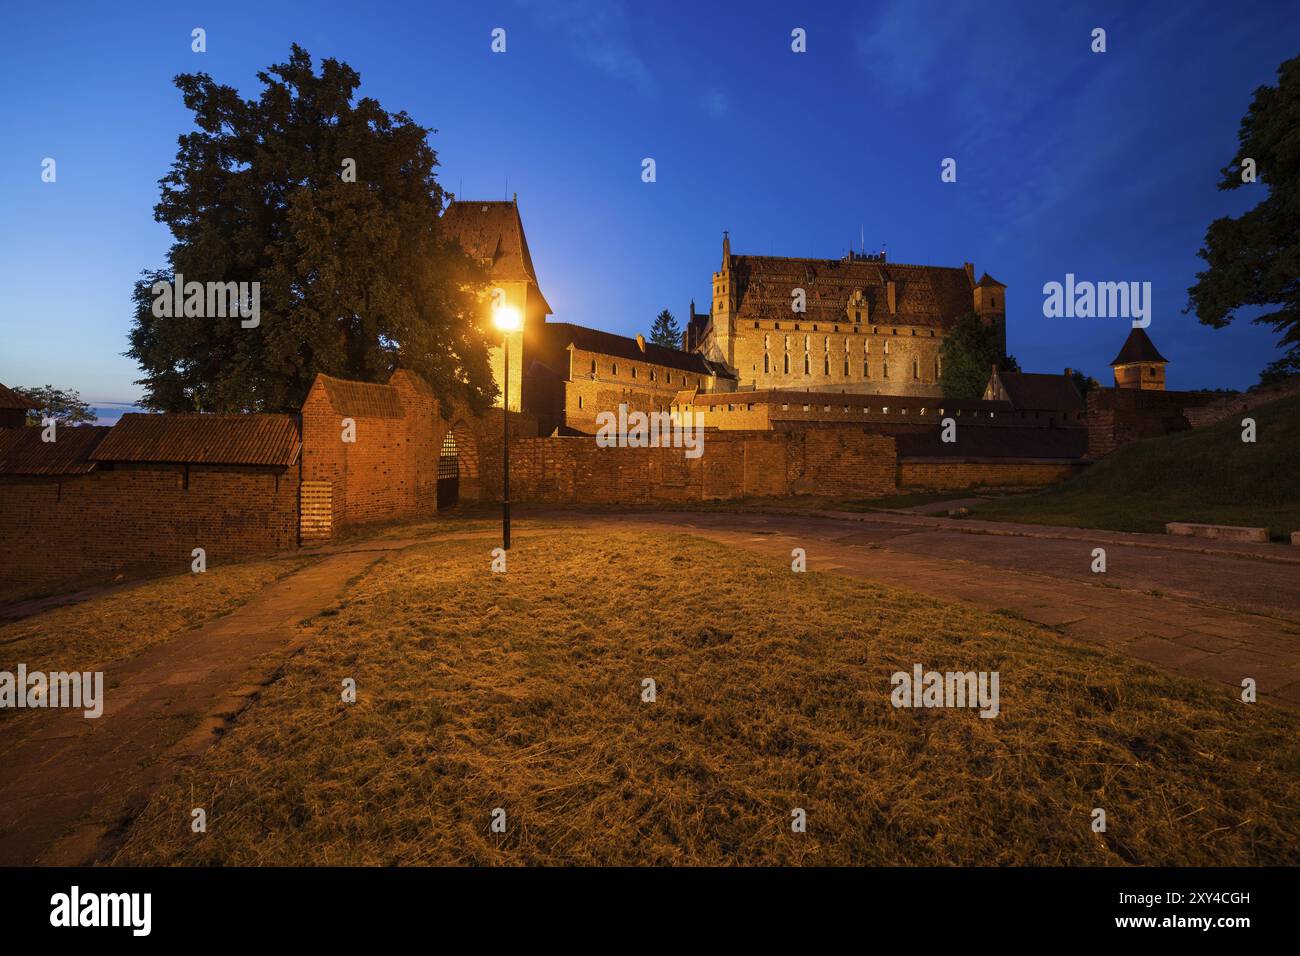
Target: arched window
766	363
827	369
766	343
846	366
884	368
613	369
916	367
866	370
807	364
787	363
593	366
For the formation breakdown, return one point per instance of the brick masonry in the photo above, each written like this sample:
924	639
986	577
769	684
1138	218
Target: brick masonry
937	474
134	519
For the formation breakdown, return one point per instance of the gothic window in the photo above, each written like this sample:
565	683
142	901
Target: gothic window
787	363
866	371
766	364
766	341
593	366
827	369
613	368
916	367
884	368
846	367
807	364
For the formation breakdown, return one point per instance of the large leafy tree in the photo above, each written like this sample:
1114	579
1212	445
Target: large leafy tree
64	406
1254	259
967	356
355	276
665	331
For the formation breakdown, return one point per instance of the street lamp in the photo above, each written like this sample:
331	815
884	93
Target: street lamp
507	319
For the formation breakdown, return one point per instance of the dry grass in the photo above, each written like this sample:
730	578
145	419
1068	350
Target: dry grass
522	691
88	635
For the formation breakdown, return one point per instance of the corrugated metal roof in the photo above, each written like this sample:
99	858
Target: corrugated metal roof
363	399
202	439
11	399
23	453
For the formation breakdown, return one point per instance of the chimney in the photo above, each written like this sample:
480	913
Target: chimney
640	341
970	273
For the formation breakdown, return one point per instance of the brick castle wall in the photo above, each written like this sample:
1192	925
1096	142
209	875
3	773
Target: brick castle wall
133	519
936	474
733	465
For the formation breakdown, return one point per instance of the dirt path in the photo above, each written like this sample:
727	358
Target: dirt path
1218	613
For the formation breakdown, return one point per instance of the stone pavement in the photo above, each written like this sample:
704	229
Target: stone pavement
1221	613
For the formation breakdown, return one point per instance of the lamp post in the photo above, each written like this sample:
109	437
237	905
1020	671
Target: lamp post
507	319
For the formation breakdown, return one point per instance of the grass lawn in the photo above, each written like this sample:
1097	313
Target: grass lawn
523	691
1207	474
94	632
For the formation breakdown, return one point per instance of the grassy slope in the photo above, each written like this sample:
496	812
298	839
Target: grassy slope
522	691
1207	475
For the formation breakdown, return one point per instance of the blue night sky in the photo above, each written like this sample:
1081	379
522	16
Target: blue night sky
1068	161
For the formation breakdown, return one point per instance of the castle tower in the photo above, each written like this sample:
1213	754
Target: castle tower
724	304
990	302
1139	364
492	233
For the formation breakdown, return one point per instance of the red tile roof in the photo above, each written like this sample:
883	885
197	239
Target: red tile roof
202	439
1042	392
23	453
560	335
1138	347
362	399
924	296
11	399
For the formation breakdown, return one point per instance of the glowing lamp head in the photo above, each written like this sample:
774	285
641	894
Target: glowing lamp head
507	318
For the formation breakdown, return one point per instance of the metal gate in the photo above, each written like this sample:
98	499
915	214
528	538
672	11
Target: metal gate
448	473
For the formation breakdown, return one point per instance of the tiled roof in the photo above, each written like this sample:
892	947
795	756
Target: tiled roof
23	453
493	232
11	399
202	439
1035	391
563	334
1138	347
362	399
987	280
925	296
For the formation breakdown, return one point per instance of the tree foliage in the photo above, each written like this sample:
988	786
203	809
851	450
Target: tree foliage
355	277
1254	259
65	407
967	356
665	331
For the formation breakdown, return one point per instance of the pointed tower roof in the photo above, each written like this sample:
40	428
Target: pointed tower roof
493	233
1138	347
